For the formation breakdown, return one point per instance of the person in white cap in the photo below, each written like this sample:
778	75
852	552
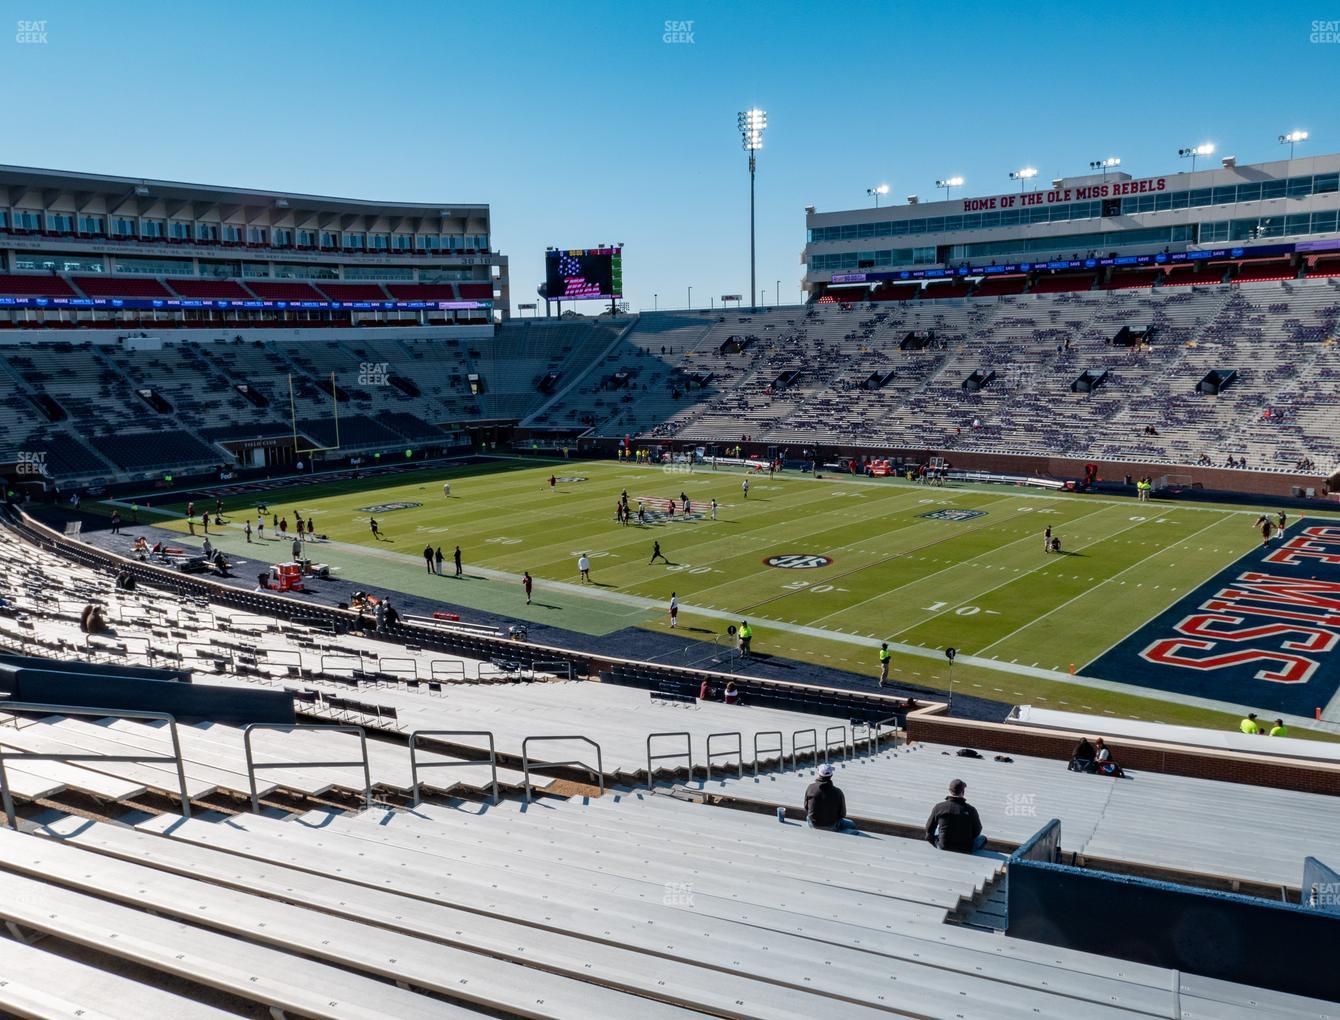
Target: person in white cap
825	806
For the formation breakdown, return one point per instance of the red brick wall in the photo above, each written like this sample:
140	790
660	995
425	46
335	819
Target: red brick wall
1138	756
1219	479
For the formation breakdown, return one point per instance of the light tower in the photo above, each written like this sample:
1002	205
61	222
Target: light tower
1023	176
877	190
1292	139
949	182
1193	151
1110	163
751	123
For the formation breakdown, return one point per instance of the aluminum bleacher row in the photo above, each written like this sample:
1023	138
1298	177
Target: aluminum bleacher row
1201	826
1278	335
627	906
320	624
208	387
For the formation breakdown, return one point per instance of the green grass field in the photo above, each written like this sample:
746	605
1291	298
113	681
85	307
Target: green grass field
981	584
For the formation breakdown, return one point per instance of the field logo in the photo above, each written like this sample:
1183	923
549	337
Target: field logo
566	479
1265	631
386	508
950	513
797	561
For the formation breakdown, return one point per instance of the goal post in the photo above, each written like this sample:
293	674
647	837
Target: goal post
298	449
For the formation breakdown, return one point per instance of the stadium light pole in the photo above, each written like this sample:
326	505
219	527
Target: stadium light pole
656	302
1191	152
1104	164
777	300
1292	139
690	297
877	190
949	182
751	123
1023	176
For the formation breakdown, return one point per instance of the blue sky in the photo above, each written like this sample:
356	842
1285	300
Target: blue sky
580	125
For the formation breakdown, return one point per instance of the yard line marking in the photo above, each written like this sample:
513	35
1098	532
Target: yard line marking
934	573
988	591
1213	570
1090	591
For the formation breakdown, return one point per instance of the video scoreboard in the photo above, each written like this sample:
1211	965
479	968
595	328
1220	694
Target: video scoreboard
579	274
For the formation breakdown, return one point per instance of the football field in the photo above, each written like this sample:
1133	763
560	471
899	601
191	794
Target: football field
823	569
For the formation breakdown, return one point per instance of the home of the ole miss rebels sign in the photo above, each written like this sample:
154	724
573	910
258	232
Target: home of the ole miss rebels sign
1264	632
1080	193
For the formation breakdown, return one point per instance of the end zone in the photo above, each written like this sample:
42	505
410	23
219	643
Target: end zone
1265	631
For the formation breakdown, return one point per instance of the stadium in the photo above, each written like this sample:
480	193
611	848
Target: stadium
376	643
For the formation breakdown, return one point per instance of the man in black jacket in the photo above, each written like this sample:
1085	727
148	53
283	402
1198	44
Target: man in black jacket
825	806
953	824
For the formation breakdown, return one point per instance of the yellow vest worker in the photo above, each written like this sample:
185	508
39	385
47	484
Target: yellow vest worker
1279	729
1250	725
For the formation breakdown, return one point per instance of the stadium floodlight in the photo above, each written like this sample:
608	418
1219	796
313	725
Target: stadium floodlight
1104	165
1023	176
690	304
1292	139
1191	152
751	123
877	190
949	182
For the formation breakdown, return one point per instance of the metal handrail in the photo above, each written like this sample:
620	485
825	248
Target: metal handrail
869	737
395	663
812	747
738	752
686	753
451	669
879	726
841	744
414	765
253	768
354	656
780	748
525	760
97	713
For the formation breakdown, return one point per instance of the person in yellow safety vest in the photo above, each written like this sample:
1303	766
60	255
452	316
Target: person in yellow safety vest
1250	725
884	656
1279	729
746	635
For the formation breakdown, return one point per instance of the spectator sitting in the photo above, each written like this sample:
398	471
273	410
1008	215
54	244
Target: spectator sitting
953	823
732	696
825	806
91	620
1102	760
1081	759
